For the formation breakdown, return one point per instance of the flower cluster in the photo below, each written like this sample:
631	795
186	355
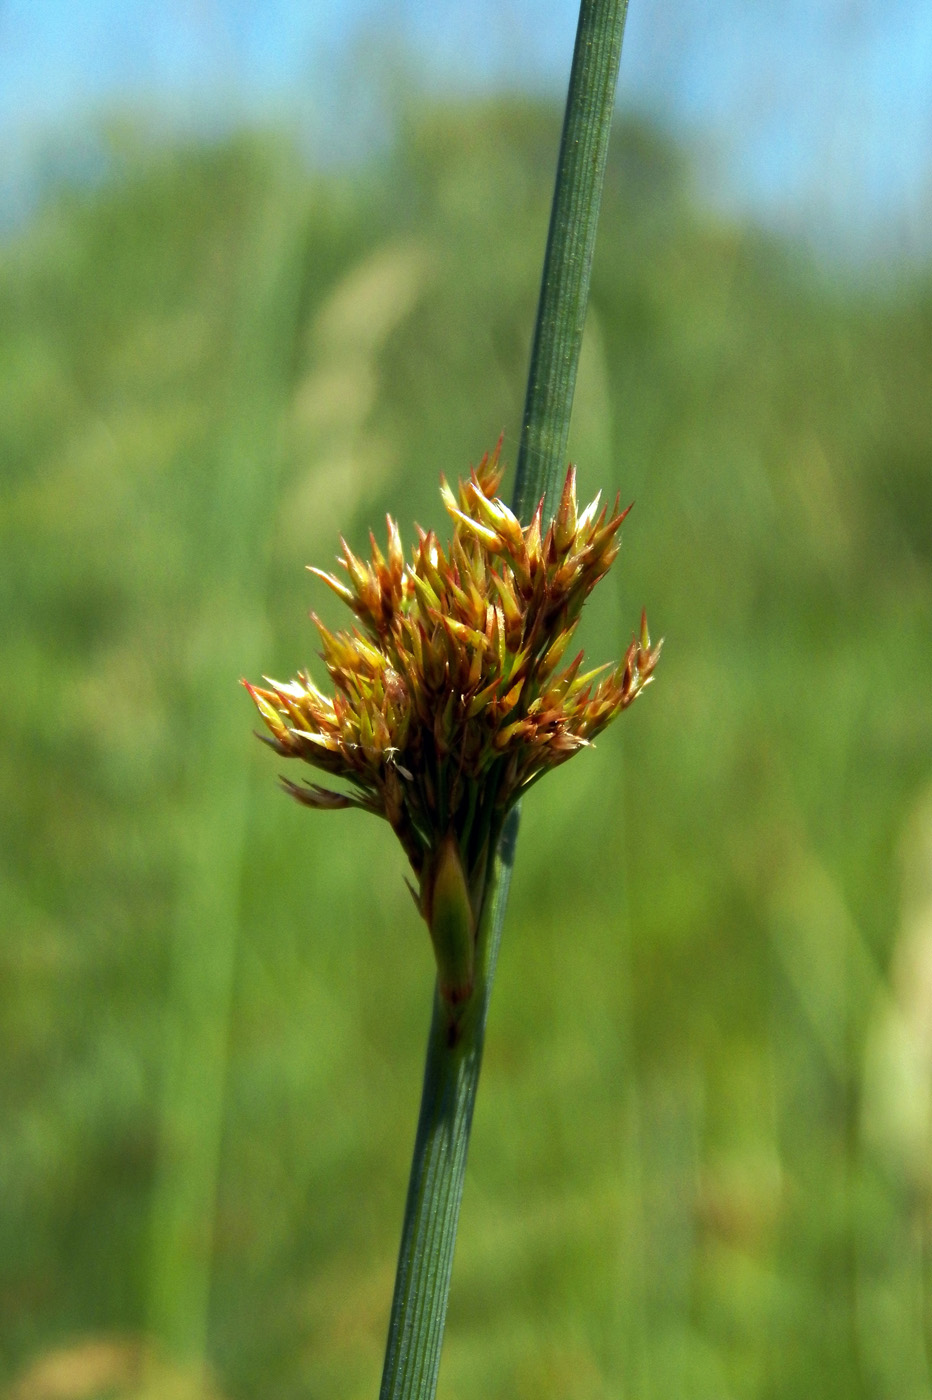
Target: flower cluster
451	696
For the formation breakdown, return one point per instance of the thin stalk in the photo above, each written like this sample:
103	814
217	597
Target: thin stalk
425	1262
564	289
234	527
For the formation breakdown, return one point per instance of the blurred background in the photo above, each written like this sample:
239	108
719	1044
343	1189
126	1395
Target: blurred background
265	272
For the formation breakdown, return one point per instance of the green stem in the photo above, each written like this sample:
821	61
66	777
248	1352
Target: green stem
564	290
425	1261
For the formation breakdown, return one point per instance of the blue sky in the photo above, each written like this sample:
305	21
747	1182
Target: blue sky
813	115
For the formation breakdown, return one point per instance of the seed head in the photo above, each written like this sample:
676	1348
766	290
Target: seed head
450	695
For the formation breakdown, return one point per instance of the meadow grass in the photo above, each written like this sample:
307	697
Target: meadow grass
699	1160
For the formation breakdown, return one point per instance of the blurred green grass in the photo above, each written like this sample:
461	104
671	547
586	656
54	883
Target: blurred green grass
700	1164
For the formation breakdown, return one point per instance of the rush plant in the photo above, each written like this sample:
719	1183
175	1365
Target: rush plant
452	695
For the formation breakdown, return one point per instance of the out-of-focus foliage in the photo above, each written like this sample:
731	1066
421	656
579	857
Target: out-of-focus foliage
700	1164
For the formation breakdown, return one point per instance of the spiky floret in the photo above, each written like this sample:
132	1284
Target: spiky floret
451	697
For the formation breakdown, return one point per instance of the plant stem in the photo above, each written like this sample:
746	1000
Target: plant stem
425	1260
425	1263
564	290
235	523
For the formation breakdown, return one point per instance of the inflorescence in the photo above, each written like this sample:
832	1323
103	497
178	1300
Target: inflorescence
451	697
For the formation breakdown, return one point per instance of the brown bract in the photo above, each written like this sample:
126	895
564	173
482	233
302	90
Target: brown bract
451	696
